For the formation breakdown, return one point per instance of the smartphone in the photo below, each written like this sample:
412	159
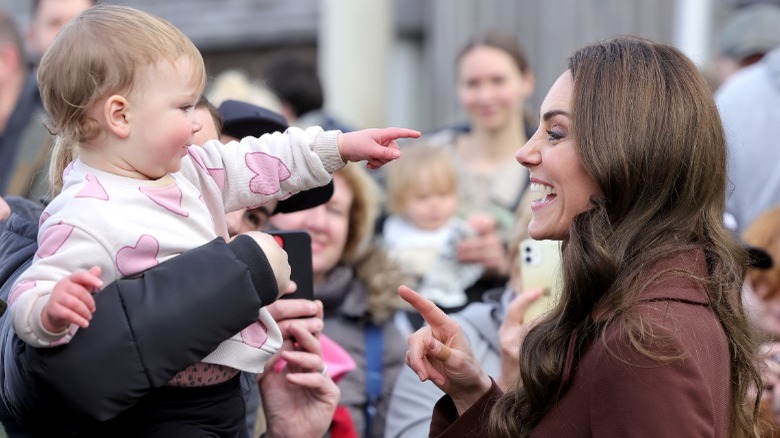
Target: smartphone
540	266
297	243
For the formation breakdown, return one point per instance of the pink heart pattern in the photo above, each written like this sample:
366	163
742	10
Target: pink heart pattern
53	239
255	335
134	259
168	197
196	158
269	171
216	173
44	217
93	189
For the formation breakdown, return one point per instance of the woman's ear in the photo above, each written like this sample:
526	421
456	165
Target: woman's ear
117	115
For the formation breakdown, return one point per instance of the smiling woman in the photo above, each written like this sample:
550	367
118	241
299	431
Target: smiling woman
555	168
649	338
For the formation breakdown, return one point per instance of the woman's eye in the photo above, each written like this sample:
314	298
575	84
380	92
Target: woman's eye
555	135
338	211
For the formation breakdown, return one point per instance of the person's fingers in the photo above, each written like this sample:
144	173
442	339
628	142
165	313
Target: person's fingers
82	303
384	154
306	341
482	223
291	288
435	317
437	350
59	312
416	357
281	310
273	363
77	297
87	279
74	317
387	135
518	306
303	361
322	386
311	325
95	270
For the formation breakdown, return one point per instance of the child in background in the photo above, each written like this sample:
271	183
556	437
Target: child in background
137	194
423	230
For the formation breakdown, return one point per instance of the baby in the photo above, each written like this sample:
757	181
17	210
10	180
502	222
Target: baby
120	86
423	229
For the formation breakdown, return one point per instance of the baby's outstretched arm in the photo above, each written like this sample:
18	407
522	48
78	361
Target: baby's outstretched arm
71	301
377	145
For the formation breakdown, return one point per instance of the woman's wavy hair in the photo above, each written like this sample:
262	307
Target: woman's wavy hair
649	133
99	53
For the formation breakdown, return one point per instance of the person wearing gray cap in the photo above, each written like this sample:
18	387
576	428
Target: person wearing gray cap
750	32
749	106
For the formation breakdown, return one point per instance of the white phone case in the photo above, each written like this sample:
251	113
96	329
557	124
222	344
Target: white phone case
540	266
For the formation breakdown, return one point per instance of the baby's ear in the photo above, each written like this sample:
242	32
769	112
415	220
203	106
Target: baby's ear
117	115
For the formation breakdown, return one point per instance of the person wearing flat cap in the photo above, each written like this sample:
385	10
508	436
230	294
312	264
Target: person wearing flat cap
242	119
750	32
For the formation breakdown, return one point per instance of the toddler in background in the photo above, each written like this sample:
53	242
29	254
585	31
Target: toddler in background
120	87
423	229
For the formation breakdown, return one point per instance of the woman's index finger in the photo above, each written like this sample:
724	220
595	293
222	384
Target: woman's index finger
428	310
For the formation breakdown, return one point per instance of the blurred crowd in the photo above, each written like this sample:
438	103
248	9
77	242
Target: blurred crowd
446	218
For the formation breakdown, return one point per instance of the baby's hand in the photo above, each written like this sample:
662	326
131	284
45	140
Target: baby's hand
376	145
71	301
277	258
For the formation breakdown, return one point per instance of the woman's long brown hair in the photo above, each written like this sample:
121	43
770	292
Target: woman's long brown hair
649	133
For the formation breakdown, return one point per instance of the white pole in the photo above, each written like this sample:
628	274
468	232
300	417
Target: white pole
692	32
355	38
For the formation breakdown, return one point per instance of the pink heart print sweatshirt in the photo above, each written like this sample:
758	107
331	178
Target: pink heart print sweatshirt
126	225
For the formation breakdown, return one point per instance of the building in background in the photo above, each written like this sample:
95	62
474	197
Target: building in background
391	62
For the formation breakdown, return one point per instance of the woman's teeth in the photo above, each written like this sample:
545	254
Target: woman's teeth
542	188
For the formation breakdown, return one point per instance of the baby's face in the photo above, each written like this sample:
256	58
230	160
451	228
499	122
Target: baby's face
208	130
162	121
430	210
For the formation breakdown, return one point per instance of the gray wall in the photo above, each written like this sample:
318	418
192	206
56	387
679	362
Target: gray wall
244	33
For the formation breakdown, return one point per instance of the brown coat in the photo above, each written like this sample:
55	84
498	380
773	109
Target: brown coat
615	391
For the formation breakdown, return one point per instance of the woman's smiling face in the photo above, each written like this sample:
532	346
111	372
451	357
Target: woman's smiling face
557	174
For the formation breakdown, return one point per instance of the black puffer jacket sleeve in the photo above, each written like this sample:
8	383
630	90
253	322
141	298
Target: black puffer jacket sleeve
143	332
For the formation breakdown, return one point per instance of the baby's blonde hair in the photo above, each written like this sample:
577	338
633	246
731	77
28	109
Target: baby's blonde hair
97	54
421	166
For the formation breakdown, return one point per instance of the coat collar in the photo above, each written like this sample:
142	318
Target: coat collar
670	278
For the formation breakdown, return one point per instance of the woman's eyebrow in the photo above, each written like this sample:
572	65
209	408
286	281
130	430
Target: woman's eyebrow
550	114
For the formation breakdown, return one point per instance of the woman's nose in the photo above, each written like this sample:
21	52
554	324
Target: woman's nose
316	219
528	155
